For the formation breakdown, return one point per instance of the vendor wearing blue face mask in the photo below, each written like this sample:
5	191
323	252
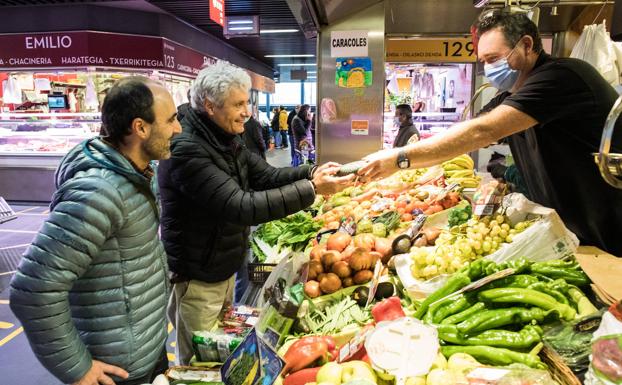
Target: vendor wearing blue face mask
553	112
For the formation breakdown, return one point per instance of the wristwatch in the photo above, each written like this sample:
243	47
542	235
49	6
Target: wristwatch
402	160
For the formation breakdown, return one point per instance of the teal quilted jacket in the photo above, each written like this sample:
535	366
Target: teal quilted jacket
93	284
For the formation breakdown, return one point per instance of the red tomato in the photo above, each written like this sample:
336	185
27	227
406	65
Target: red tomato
407	217
401	210
400	204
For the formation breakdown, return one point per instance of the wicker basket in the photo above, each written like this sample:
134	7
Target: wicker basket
558	369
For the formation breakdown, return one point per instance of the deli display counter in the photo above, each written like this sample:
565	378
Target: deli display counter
32	146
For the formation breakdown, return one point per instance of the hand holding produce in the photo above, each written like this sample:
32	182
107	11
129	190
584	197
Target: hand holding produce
326	182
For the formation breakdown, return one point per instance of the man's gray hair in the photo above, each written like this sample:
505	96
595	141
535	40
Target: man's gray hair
214	83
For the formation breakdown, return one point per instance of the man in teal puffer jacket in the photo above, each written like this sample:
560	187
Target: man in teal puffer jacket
91	290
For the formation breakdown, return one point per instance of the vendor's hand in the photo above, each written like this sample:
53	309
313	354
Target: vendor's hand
379	165
98	374
326	182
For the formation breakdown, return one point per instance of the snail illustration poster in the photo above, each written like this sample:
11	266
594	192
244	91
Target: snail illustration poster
353	72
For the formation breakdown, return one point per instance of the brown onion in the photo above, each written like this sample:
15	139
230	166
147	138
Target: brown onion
330	283
362	277
312	289
342	269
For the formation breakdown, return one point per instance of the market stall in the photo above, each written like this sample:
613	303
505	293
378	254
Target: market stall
409	280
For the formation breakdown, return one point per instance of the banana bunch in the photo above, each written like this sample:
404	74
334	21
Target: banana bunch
460	170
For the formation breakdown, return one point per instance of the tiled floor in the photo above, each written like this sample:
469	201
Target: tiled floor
18	365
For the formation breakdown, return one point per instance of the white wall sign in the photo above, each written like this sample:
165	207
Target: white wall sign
349	43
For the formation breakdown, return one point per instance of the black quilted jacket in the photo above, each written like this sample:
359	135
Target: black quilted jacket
212	189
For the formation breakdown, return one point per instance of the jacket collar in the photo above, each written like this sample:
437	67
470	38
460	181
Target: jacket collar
198	122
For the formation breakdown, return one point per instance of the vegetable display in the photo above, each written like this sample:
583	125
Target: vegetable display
498	323
483	315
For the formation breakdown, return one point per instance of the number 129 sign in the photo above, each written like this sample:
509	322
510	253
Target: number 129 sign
456	50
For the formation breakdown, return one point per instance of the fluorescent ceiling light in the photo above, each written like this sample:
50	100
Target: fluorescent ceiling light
241	29
297	64
240	22
296	55
278	31
311	72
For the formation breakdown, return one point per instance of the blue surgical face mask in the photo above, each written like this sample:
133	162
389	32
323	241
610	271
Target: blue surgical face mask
501	76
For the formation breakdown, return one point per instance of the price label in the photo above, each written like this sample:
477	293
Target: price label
453	50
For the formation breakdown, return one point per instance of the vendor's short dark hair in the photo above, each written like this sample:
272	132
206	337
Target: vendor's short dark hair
128	99
405	109
513	25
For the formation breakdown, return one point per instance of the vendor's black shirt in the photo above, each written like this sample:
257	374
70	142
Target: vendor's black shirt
571	101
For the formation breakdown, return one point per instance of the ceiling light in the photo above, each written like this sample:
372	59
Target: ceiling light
296	64
312	72
240	22
240	29
278	31
296	55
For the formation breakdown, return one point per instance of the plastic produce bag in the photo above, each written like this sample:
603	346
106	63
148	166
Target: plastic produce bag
606	359
548	238
596	47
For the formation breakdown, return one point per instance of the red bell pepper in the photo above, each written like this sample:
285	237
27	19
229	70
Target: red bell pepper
388	310
302	356
302	377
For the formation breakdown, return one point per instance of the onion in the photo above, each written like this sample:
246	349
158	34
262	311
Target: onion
316	251
385	248
315	268
362	277
338	241
360	260
312	289
329	257
342	269
330	283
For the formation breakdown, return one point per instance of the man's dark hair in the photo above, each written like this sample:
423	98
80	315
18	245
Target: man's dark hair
405	109
302	113
514	26
128	99
281	108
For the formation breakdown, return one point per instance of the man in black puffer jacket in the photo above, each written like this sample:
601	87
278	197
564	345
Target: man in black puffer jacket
212	189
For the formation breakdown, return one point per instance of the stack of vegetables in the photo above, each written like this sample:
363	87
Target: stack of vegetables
343	261
499	323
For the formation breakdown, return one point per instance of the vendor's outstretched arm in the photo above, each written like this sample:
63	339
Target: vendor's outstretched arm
461	138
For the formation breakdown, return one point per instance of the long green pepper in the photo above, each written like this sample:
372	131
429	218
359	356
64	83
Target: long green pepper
526	338
529	297
459	317
453	284
492	319
495	356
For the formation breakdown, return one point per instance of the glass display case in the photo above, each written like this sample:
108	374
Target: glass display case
436	92
32	146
